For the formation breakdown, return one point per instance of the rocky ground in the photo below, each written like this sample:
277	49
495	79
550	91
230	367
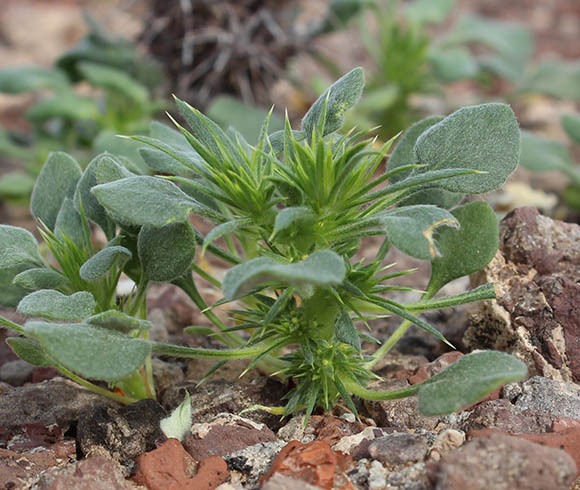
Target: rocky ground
56	435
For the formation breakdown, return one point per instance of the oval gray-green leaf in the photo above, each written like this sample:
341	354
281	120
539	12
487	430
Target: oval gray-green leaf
27	78
110	168
90	206
412	229
467	381
56	181
17	247
117	320
221	230
485	138
540	154
29	350
100	263
322	268
468	249
90	351
166	253
69	223
54	305
41	278
114	80
66	106
341	95
144	200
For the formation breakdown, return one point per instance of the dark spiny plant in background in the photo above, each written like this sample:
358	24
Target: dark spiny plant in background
292	211
238	48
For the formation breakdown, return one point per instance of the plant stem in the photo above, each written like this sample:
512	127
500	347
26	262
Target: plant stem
355	388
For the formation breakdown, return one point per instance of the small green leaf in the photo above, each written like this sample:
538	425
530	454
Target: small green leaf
571	124
467	381
102	262
67	106
554	77
117	320
70	224
341	95
453	64
144	200
166	253
178	424
29	350
428	11
28	78
83	197
91	351
484	138
292	218
322	268
110	169
15	185
345	331
161	162
468	249
57	180
54	305
41	278
221	230
412	229
114	80
540	154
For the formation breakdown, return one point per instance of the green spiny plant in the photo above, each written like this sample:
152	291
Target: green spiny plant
292	211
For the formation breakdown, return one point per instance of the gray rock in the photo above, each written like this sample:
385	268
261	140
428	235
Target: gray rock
294	430
556	398
412	477
446	441
57	401
123	433
166	375
283	482
502	415
503	462
16	373
254	461
377	479
399	448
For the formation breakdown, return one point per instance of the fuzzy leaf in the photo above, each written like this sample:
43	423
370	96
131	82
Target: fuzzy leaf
15	185
70	224
90	351
111	169
571	124
144	200
178	424
18	247
56	181
322	268
345	331
27	78
29	350
468	249
411	229
484	138
540	154
166	253
83	197
467	381
161	162
117	320
54	305
292	218
100	263
41	278
342	95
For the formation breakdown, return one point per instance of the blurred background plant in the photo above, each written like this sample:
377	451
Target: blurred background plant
100	88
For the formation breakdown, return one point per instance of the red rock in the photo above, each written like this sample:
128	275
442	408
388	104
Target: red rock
434	367
332	429
563	423
315	463
170	467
